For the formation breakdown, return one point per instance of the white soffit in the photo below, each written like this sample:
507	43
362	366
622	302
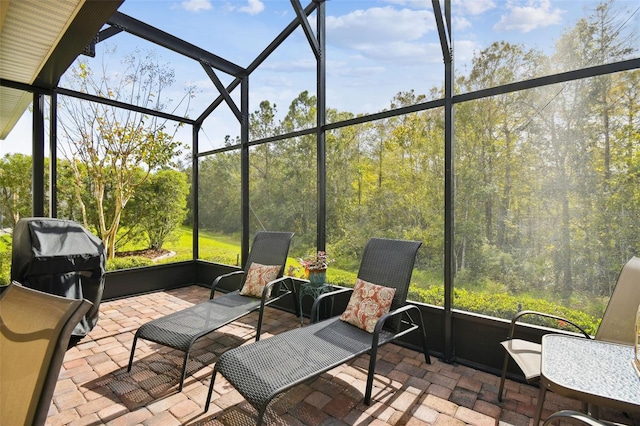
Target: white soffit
29	33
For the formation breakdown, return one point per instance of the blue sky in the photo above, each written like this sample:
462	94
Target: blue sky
375	48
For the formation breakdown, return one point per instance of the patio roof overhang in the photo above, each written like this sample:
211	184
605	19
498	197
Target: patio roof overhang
39	41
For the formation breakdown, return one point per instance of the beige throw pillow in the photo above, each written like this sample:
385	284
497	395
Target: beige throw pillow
367	304
258	277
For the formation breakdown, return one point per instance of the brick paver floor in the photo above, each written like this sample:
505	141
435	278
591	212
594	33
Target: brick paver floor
95	388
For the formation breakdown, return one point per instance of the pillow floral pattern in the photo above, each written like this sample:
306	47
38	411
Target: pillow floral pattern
258	276
367	304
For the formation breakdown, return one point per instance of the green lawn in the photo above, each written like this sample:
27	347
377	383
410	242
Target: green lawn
219	248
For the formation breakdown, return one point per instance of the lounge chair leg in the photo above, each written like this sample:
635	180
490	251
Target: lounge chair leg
261	413
259	328
427	358
423	332
133	349
296	301
503	377
184	371
372	369
213	379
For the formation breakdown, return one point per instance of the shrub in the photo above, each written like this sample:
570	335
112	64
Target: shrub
219	255
128	262
335	276
5	259
341	278
5	268
503	305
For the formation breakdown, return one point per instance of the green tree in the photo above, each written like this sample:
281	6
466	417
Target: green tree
586	122
74	193
282	179
15	188
262	125
109	146
219	196
606	42
159	205
493	149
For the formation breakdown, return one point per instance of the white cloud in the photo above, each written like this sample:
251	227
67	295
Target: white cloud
344	70
275	80
385	33
471	7
201	85
403	53
379	24
293	65
464	50
534	15
196	5
253	7
461	23
416	4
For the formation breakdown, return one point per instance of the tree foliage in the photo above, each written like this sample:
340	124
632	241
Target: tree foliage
159	206
15	188
111	149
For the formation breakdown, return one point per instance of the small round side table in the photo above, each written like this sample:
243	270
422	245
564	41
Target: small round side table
313	290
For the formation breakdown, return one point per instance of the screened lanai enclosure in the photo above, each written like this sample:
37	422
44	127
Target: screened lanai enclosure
505	136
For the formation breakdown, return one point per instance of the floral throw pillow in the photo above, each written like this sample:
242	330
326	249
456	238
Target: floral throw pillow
367	304
258	277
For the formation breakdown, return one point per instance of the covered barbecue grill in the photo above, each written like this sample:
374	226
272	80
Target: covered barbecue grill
60	257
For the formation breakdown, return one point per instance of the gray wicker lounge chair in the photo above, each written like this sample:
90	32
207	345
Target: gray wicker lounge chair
180	330
264	369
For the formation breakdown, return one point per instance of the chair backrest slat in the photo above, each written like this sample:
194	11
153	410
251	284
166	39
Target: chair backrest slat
617	324
270	248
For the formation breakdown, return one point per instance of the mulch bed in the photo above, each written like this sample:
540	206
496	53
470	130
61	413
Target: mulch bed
149	253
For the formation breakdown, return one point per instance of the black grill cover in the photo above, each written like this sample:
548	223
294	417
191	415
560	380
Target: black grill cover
60	257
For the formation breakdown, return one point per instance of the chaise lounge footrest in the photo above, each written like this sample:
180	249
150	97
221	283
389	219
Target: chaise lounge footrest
266	368
180	329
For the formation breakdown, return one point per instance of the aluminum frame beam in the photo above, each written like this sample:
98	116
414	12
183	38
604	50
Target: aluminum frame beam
168	41
306	27
223	91
289	29
37	156
118	104
443	33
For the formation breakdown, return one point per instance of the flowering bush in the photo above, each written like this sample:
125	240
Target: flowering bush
318	261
